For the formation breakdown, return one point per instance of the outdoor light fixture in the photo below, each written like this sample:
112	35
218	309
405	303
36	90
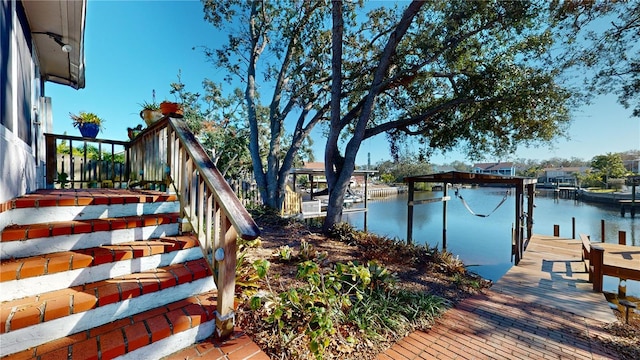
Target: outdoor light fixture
58	39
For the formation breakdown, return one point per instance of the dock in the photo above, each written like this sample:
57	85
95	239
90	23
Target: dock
553	274
539	309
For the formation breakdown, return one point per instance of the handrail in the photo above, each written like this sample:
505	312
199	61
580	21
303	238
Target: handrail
241	220
167	153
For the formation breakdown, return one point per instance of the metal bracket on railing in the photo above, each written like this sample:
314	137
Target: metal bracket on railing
225	323
219	254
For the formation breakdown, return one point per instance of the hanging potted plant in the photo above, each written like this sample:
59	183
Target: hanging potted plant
88	123
168	107
150	112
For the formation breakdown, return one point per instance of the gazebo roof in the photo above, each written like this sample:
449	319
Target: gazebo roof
459	177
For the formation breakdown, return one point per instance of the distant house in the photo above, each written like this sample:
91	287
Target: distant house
562	175
632	165
443	168
41	41
495	168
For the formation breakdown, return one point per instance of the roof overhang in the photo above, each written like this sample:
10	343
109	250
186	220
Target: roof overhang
54	23
458	177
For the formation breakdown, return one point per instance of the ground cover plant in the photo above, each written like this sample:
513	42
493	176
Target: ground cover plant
345	296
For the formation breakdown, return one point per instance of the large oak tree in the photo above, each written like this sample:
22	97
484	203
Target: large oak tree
456	74
600	47
279	51
475	75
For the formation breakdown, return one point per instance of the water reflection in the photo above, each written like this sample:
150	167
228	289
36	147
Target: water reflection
484	243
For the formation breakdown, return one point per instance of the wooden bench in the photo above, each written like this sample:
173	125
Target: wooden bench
593	258
621	261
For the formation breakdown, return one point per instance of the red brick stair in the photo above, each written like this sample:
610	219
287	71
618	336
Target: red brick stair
130	333
99	274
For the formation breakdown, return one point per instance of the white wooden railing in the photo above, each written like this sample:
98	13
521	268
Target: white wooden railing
168	153
167	156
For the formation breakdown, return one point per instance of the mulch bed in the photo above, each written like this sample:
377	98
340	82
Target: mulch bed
415	273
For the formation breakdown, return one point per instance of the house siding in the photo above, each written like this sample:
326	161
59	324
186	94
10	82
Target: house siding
504	169
20	90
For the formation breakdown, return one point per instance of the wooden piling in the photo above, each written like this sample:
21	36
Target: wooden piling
602	230
597	259
410	213
622	238
556	230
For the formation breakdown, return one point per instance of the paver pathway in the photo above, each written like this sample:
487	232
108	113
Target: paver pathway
499	326
541	309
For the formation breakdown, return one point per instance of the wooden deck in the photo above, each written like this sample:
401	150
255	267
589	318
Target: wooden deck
552	274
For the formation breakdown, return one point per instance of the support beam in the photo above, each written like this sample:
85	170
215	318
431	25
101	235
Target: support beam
518	224
366	196
410	213
531	193
445	198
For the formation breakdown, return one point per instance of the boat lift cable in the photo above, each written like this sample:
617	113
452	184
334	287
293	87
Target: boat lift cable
506	195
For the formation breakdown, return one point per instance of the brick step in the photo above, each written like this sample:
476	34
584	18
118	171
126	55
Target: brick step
237	346
34	231
33	310
19	241
60	205
23	268
85	197
151	334
34	275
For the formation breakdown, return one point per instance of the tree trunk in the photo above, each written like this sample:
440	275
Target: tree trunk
332	153
339	170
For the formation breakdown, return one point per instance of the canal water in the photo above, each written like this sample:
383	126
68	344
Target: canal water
484	243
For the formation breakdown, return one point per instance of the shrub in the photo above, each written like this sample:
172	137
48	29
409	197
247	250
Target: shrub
348	295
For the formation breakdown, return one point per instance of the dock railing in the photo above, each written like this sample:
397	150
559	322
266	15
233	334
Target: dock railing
597	265
167	154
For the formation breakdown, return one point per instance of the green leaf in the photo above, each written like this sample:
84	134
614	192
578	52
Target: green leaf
293	296
255	303
261	266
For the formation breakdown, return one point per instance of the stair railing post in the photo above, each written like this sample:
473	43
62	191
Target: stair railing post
225	256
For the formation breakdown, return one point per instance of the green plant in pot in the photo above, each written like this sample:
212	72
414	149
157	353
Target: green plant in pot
134	132
88	123
150	112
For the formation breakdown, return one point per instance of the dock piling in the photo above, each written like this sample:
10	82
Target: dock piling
622	237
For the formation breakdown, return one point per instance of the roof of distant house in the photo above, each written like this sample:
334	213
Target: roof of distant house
493	165
567	168
314	165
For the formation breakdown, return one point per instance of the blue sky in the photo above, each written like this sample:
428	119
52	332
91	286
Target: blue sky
135	47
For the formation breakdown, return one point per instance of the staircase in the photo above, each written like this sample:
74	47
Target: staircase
101	274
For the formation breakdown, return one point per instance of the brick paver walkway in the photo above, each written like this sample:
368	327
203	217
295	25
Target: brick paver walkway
498	326
541	309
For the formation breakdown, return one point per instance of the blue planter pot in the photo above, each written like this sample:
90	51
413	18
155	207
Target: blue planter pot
89	130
